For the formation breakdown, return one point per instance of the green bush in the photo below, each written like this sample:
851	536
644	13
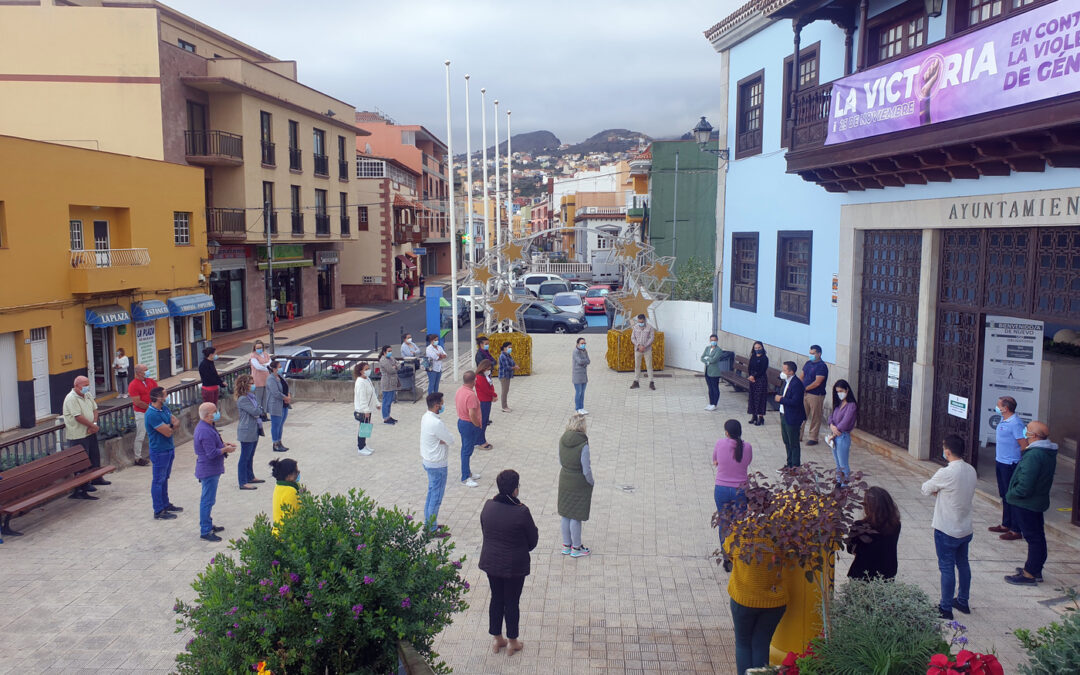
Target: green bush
335	591
878	627
694	281
1055	648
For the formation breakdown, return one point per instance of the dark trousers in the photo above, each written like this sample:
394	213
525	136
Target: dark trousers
361	442
505	595
485	420
1031	526
754	629
714	388
90	446
1004	475
790	434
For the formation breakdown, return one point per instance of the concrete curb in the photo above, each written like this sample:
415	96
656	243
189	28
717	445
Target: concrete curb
331	331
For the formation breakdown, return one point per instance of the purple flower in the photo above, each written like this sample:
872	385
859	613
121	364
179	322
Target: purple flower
406	603
456	564
407	518
190	642
318	641
274	563
307	602
466	585
262	631
294	577
266	597
232	611
368	580
213	560
264	582
357	609
229	633
361	547
321	585
236	625
283	590
330	613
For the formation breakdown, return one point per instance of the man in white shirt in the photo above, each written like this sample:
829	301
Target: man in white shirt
954	486
435	356
435	440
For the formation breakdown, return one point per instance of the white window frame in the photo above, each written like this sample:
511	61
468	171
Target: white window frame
75	230
182	228
370	168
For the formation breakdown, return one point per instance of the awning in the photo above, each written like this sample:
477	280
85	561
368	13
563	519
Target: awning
148	310
108	315
412	254
282	264
406	261
190	304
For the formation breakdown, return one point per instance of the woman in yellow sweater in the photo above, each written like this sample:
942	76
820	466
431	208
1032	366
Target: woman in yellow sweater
758	601
286	473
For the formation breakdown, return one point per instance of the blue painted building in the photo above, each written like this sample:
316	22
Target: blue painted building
899	194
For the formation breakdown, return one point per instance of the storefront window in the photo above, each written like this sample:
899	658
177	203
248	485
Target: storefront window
227	287
287	292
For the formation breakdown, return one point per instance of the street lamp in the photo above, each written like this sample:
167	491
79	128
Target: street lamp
702	134
933	7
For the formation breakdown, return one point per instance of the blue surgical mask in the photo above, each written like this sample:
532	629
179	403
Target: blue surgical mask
485	347
1025	433
712	343
582	347
509	349
944	456
641	323
441	409
297	477
86	390
813	357
258	350
217	415
251	388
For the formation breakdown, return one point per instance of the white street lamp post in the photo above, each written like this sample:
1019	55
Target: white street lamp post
483	144
469	213
453	229
498	187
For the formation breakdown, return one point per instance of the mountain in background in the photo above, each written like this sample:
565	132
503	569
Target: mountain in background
609	140
533	142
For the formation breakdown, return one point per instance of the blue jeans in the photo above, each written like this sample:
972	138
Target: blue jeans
841	452
436	486
206	503
579	395
485	420
754	629
953	553
468	433
723	494
388	398
1004	475
159	480
277	425
245	472
1030	524
433	381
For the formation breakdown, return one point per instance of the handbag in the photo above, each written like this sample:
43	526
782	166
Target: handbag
365	430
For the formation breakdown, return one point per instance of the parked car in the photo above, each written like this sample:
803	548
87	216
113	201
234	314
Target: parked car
473	295
569	302
549	289
533	281
579	287
520	291
296	361
544	317
594	299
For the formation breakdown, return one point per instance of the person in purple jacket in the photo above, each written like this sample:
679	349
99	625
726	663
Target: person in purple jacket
841	422
210	453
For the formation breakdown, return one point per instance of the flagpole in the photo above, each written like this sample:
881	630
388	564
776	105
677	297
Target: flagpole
509	191
469	213
487	203
453	229
498	187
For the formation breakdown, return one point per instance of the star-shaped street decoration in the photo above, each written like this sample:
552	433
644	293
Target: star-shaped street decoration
635	303
482	274
660	270
504	308
512	251
628	249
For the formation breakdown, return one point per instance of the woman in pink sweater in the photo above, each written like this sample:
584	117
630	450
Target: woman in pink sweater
731	457
841	422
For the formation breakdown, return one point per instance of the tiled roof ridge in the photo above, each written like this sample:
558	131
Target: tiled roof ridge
747	11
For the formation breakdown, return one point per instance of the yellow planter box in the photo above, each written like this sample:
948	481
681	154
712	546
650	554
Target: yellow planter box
521	345
620	351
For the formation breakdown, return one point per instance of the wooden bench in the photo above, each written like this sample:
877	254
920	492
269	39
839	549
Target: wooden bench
738	376
42	480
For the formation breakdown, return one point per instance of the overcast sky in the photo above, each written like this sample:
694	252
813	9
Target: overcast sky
573	67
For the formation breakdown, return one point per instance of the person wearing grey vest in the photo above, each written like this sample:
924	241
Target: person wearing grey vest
579	377
575	485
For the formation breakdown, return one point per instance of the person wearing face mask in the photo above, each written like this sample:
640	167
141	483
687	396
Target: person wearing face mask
792	413
435	441
642	337
139	391
507	366
80	414
210	452
1010	442
277	404
485	391
841	423
954	489
248	429
815	374
260	370
364	403
758	374
483	350
1029	496
286	498
161	425
390	384
579	375
208	374
711	358
409	349
435	356
120	368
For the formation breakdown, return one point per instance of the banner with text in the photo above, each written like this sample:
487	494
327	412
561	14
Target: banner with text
1030	57
1012	366
146	347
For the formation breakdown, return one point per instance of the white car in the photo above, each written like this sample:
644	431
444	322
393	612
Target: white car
569	302
474	295
579	287
533	281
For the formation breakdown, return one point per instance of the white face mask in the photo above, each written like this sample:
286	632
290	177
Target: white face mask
841	395
783	376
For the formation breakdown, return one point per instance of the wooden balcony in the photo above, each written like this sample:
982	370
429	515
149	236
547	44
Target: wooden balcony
213	148
226	224
109	270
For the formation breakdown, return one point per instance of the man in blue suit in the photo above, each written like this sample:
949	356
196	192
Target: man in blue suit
792	413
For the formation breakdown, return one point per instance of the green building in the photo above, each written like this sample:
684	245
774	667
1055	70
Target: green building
682	205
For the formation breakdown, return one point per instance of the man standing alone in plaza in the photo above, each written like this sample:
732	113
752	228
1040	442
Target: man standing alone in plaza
80	428
642	336
1009	442
161	424
139	391
815	375
469	424
954	487
435	440
792	413
1029	497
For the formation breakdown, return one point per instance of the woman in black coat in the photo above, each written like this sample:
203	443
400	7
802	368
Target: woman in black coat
759	384
509	535
875	550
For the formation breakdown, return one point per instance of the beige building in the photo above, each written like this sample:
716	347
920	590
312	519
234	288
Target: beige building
152	82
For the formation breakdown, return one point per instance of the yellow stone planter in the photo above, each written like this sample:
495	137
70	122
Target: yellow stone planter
520	343
802	618
620	351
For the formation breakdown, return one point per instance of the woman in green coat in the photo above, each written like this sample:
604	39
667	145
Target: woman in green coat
711	358
575	485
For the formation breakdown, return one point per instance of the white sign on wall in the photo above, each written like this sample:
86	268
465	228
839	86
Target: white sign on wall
894	374
958	406
146	347
1012	366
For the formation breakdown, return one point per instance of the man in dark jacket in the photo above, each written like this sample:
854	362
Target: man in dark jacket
1029	497
483	351
792	412
509	535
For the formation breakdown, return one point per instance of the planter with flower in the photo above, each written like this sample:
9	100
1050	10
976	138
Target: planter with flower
335	591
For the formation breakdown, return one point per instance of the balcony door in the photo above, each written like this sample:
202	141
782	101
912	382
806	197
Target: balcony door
101	242
101	344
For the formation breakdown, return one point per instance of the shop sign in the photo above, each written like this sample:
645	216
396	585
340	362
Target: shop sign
327	257
419	250
894	374
1012	366
282	252
146	347
958	406
230	253
1030	57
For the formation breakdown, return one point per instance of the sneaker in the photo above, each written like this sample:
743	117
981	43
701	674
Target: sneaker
210	536
635	385
365	452
164	515
710	407
392	420
652	385
218	528
945	613
961	606
508	410
1020	570
389	421
583	411
470	483
142	461
89	487
475	475
579	552
566	549
174	508
1021	579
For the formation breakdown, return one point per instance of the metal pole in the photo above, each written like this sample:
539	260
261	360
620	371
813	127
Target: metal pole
469	212
487	203
453	226
498	187
268	218
675	215
509	192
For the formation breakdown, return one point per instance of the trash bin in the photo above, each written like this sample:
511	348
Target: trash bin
407	381
727	361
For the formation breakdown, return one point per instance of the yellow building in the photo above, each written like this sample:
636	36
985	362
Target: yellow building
155	83
98	251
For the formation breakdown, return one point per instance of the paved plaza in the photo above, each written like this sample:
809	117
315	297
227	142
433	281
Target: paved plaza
91	585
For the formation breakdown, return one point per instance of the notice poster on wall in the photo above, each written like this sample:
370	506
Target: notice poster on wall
1012	366
146	347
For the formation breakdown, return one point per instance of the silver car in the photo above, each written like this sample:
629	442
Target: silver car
569	302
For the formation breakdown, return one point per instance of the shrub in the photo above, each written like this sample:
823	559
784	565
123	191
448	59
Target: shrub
335	592
1055	648
694	281
878	627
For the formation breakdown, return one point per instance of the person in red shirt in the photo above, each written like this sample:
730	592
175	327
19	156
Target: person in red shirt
469	424
485	391
139	391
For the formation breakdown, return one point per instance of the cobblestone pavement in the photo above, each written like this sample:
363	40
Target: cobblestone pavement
90	586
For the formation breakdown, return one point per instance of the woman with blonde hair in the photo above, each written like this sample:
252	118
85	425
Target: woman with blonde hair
575	485
248	430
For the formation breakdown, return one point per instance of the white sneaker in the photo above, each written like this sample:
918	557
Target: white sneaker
365	452
475	476
710	407
470	483
583	411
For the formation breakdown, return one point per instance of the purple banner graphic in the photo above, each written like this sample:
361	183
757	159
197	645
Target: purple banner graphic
1030	57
